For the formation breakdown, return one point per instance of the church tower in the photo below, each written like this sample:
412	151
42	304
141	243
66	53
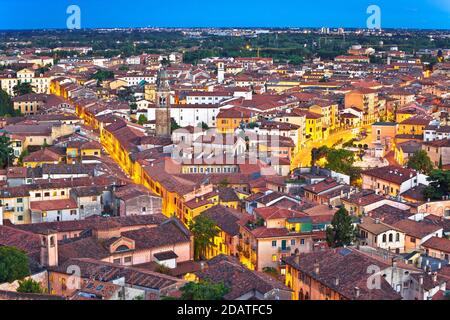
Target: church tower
162	112
49	248
220	72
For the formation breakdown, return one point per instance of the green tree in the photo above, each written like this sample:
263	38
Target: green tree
439	185
102	75
14	264
30	286
22	88
420	161
6	152
204	230
341	160
204	126
341	232
142	119
203	290
6	105
174	125
133	106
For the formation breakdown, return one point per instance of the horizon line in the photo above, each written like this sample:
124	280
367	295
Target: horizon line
226	27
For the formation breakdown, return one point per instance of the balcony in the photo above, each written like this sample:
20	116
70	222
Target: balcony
284	249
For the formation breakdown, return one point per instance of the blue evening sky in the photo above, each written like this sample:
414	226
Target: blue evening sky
34	14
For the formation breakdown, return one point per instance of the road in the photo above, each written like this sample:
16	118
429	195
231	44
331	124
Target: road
303	157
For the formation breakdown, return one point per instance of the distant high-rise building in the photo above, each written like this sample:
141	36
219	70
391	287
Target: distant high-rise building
162	112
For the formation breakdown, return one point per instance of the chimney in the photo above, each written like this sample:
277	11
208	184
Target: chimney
377	220
336	281
357	292
316	268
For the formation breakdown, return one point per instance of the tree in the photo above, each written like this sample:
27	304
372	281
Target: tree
204	126
317	153
6	105
439	185
133	107
341	232
174	125
339	160
420	161
102	75
204	230
6	152
142	119
203	290
14	264
30	286
22	88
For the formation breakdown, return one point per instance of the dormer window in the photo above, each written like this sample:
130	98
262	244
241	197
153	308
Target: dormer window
122	248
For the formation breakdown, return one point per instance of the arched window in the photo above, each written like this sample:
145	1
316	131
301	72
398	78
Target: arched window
122	248
384	237
391	238
397	237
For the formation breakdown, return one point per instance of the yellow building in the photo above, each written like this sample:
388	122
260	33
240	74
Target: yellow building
413	125
15	202
228	120
314	126
226	241
40	157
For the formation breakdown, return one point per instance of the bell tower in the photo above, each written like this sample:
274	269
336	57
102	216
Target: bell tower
162	112
220	72
49	248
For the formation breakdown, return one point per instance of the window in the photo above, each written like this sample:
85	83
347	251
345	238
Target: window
73	212
46	194
384	237
116	261
127	259
397	237
391	237
19	200
293	242
274	243
302	241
